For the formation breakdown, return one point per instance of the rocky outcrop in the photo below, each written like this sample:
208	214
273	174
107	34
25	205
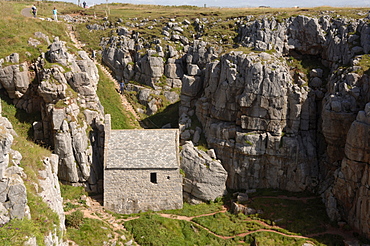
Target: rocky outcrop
350	191
258	121
335	41
71	112
271	124
50	188
204	176
13	198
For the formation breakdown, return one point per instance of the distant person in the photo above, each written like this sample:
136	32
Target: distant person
93	54
84	4
121	87
34	11
55	14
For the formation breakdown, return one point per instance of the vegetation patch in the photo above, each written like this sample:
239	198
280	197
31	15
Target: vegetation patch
364	64
295	215
169	114
43	219
72	193
270	238
198	209
90	232
227	224
329	240
152	229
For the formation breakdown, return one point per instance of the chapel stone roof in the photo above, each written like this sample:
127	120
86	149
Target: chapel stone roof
143	149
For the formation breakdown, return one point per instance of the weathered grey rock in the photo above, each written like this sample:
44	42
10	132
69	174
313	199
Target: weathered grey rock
13	58
191	85
58	53
4	214
122	31
237	208
204	177
42	36
15	79
67	165
53	86
50	189
352	180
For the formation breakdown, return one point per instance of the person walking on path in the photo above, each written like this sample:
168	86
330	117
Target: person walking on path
84	4
55	14
121	87
34	11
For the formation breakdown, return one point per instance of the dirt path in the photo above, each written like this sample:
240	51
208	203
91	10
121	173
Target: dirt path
124	100
27	12
71	33
178	217
95	210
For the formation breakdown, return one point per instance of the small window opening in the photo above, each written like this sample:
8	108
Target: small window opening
168	177
153	178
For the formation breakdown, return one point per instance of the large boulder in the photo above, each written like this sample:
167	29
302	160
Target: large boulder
204	177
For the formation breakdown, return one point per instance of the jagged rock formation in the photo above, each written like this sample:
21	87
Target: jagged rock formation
252	115
71	114
270	124
13	199
204	176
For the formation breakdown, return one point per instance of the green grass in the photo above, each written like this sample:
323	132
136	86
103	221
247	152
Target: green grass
330	240
194	210
169	114
15	30
293	215
152	229
90	232
42	222
227	224
270	238
365	65
72	193
110	99
85	36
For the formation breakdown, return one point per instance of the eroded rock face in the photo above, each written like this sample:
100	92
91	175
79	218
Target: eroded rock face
258	121
13	198
351	184
269	124
204	176
50	188
13	192
69	107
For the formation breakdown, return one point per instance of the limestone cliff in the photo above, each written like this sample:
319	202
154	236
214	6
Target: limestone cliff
13	199
71	114
271	123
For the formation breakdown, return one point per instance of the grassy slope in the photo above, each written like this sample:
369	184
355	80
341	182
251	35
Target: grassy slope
110	99
15	30
152	229
43	218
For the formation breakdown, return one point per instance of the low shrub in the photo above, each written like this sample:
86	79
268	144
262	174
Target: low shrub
74	219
